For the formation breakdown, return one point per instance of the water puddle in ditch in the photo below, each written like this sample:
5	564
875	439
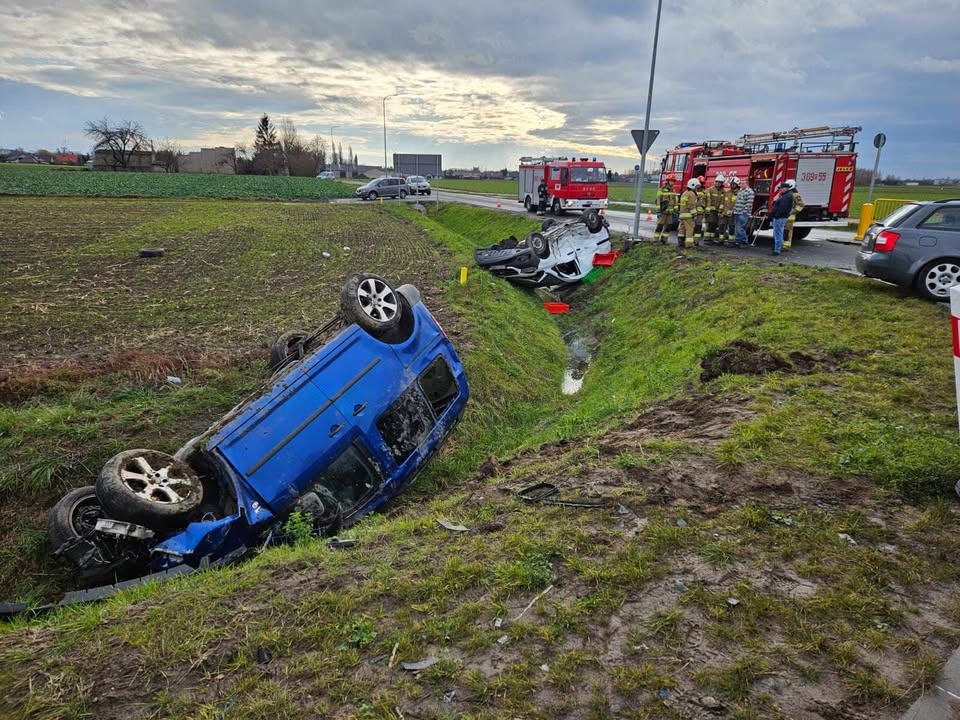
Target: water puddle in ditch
577	363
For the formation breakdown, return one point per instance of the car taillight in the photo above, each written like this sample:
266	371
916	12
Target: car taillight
886	239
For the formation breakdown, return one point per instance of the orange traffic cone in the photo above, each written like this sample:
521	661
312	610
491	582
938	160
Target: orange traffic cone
649	216
498	203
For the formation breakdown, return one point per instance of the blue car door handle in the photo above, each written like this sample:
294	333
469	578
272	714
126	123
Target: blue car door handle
336	428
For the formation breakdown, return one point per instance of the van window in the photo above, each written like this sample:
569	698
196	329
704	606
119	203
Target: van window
439	385
351	477
404	425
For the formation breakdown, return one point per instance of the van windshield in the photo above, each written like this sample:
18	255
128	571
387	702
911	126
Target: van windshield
588	175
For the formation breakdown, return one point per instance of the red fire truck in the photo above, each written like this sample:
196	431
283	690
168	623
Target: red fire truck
571	184
822	160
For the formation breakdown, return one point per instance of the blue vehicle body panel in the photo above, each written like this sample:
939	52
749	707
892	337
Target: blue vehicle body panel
272	448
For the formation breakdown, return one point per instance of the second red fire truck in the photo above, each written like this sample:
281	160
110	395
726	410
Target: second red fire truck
571	184
822	160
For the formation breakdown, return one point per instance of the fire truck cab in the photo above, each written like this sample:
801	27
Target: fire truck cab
822	161
571	184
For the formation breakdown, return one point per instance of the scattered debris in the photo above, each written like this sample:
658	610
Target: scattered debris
532	603
452	526
679	586
151	252
732	602
503	640
393	655
174	380
336	543
887	548
543	492
681	523
449	696
346	248
325	254
662	694
545	667
710	703
498	623
624	510
264	656
846	538
420	665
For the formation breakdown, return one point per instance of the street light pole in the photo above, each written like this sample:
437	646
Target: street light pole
332	128
646	128
385	130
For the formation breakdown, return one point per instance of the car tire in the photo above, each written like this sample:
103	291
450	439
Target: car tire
371	195
287	348
547	224
937	277
149	488
323	508
370	302
593	220
538	243
428	192
403	194
74	516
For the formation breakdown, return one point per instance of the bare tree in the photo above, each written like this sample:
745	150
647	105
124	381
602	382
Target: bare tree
167	153
121	140
318	148
240	160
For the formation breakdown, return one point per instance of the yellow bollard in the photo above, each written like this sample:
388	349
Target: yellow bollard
463	276
866	220
381	201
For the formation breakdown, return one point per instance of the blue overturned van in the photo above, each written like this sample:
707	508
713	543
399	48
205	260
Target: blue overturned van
354	411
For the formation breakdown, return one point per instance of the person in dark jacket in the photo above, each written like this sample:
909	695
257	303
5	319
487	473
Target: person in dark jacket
782	209
542	197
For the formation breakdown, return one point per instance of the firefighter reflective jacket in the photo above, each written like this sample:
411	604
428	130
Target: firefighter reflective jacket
712	198
666	200
797	206
688	204
727	202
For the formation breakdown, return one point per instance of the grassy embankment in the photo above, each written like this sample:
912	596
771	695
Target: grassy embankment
46	181
756	548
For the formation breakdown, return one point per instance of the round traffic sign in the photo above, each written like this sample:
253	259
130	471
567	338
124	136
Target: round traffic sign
637	168
879	140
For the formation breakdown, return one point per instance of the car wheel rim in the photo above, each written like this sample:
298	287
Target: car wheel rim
941	278
164	485
377	300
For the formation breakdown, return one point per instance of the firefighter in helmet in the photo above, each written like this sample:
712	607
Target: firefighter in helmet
711	206
688	211
543	196
798	205
666	209
700	211
725	212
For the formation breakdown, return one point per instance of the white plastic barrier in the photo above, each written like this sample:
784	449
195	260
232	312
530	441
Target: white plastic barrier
955	325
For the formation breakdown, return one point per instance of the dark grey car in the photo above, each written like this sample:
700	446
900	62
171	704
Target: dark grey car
383	187
916	246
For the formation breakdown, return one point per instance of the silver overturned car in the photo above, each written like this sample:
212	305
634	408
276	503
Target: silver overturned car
560	253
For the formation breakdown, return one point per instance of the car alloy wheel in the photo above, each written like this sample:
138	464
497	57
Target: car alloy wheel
940	277
378	300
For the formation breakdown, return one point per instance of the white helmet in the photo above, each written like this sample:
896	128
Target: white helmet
790	184
693	184
721	178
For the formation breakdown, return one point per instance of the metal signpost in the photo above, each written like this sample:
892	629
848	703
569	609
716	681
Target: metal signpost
646	130
879	140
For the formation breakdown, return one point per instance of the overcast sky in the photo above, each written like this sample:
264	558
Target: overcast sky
486	82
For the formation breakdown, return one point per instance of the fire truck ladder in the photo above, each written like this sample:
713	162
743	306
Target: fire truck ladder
831	139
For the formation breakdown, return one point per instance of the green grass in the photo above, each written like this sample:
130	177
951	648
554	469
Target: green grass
612	630
48	181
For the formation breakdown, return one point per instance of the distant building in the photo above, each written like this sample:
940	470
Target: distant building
210	161
414	164
139	161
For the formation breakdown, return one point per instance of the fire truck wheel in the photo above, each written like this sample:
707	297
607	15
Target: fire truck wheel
538	243
557	210
801	233
527	205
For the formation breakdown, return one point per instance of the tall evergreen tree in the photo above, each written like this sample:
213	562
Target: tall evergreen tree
266	134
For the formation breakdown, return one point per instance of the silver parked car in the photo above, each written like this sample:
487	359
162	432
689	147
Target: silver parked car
383	187
418	185
916	246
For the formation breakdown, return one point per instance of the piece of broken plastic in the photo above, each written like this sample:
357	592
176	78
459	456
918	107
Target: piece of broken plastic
605	259
556	308
420	665
452	526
